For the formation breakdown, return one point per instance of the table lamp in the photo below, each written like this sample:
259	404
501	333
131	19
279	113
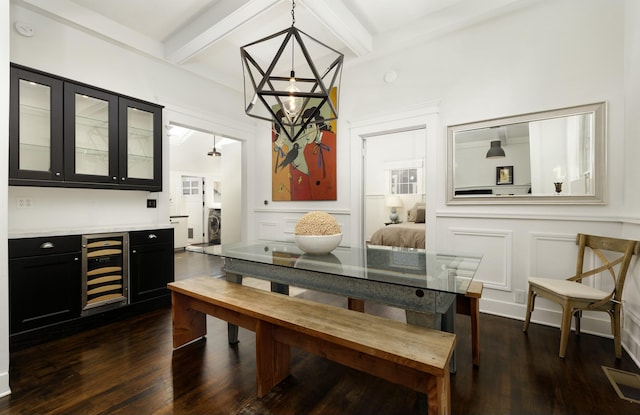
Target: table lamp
393	202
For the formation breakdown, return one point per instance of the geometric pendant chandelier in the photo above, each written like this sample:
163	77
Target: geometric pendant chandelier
282	83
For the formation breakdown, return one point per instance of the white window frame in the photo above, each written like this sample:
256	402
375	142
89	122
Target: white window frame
391	166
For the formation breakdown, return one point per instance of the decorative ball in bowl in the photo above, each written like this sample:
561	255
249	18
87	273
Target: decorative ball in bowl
317	233
318	244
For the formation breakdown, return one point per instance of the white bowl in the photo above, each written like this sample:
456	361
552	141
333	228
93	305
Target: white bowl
318	244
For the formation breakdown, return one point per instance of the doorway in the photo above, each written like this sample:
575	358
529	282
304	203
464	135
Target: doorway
422	121
394	164
197	178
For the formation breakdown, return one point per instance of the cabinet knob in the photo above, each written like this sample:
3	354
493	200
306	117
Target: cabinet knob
47	245
58	173
123	179
133	251
114	178
152	236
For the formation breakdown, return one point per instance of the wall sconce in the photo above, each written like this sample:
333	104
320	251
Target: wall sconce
393	202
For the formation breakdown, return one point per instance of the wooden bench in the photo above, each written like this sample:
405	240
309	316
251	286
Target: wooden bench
412	356
467	304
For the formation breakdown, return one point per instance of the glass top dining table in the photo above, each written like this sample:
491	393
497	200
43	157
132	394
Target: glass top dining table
425	284
449	272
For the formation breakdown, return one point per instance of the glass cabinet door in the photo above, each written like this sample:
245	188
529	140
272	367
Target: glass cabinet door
140	143
68	134
91	135
35	146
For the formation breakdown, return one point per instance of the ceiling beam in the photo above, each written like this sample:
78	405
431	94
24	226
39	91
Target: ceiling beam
342	23
211	26
92	22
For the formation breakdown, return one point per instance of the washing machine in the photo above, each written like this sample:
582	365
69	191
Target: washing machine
214	226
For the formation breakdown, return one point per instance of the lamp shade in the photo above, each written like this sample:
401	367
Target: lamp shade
495	151
393	201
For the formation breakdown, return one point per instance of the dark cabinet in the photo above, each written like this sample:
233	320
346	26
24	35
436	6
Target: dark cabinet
35	127
91	135
140	145
67	134
151	264
44	281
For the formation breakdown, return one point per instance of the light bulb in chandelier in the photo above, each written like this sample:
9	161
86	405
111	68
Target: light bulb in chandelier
292	104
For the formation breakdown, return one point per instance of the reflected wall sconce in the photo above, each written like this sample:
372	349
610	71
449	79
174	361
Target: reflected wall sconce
495	151
559	174
288	89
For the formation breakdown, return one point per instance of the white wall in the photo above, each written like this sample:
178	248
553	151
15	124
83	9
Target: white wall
4	154
233	210
631	211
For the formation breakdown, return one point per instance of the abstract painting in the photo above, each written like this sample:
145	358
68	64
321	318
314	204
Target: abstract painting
305	169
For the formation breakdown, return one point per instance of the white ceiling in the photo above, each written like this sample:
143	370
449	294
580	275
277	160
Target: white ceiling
205	36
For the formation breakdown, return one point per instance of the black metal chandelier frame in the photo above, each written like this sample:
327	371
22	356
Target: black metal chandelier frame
265	89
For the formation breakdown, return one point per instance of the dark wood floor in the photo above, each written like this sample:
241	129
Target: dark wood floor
130	368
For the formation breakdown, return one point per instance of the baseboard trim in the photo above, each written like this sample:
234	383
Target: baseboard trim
4	384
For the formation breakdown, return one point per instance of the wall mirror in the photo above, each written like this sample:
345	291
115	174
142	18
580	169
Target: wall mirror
548	157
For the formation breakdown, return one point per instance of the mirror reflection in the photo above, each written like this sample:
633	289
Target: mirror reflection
546	157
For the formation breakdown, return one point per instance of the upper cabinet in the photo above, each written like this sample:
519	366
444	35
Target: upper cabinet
140	148
35	127
90	135
67	134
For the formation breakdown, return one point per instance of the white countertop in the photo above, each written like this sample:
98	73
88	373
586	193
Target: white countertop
87	230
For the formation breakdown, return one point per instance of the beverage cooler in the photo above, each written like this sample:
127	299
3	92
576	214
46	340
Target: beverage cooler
105	274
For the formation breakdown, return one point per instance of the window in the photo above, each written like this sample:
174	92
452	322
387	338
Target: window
404	177
190	185
404	181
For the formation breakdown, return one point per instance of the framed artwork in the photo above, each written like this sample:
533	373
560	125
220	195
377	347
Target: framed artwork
306	168
504	175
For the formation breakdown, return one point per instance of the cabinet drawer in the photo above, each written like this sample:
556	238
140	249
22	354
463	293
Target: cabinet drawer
153	236
44	246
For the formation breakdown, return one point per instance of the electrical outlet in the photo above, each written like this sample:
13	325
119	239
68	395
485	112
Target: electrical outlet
518	296
151	203
24	202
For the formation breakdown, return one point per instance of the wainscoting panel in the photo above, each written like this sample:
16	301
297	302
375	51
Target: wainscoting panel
495	269
550	253
555	256
268	230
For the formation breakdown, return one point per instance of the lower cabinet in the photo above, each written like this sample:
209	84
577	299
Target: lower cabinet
151	264
44	281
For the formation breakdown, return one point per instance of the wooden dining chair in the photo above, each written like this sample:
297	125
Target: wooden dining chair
574	296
